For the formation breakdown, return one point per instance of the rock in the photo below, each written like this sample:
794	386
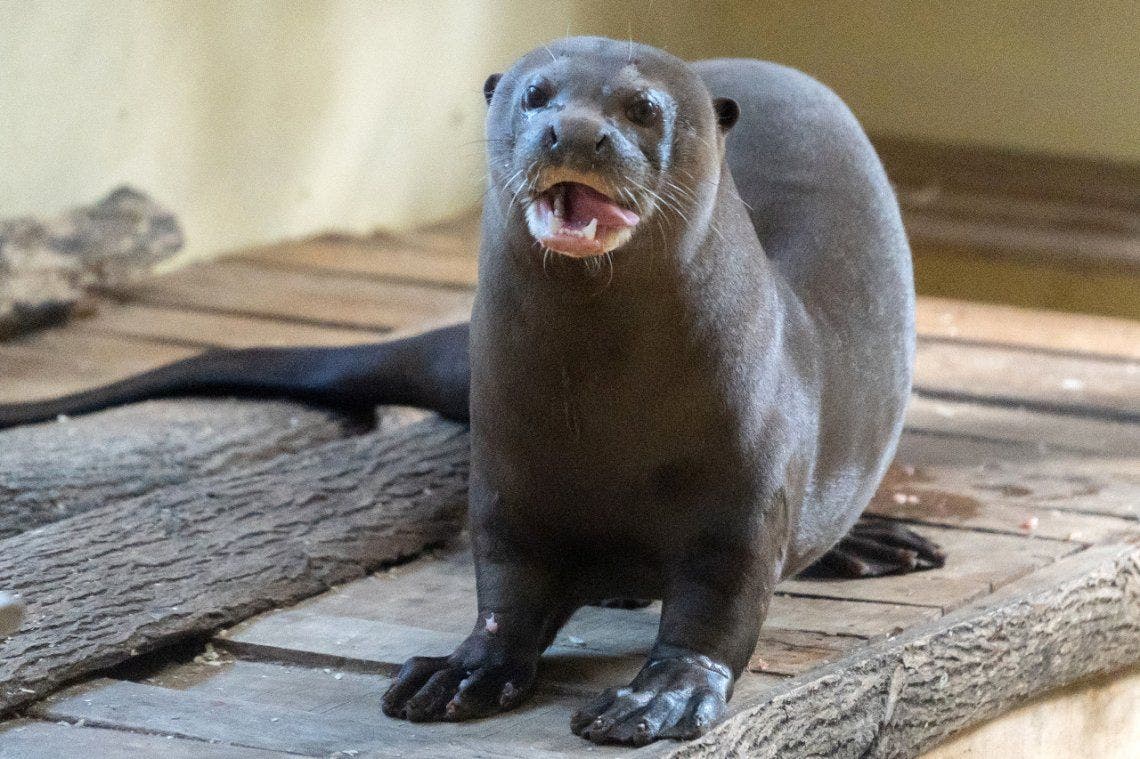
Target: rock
47	265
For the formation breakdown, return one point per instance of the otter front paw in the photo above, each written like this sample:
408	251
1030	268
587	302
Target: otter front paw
430	688
678	697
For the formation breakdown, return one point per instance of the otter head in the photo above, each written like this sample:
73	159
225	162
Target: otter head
589	138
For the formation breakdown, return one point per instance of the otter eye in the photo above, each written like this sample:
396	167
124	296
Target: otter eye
535	97
643	111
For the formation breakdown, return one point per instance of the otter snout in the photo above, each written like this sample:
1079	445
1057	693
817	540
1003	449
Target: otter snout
569	140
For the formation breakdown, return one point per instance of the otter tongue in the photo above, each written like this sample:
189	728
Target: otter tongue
583	204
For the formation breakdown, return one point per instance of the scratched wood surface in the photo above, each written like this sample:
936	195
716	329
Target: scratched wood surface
1021	457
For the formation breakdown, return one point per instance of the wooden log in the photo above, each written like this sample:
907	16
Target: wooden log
56	470
1076	618
46	265
131	576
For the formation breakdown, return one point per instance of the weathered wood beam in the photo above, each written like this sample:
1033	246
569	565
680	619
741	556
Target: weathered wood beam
133	575
1076	618
56	470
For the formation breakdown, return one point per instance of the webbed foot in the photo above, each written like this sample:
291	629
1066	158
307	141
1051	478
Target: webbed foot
678	697
876	547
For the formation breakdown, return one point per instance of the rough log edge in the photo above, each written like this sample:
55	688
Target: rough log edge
57	470
1076	618
409	492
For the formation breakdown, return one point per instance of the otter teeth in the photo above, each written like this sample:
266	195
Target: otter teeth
587	232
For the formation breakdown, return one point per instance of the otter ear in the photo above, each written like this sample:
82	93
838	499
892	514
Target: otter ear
489	86
727	112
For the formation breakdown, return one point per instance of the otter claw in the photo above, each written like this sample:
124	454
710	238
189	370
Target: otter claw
670	698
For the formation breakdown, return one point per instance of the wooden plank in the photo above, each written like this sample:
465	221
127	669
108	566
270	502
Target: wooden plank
540	727
210	329
822	614
977	564
1013	327
154	710
354	695
448	256
351	643
56	362
375	623
792	652
439	594
328	299
961	476
33	739
1080	385
1038	429
438	259
307	689
136	450
949	497
908	693
131	576
367	645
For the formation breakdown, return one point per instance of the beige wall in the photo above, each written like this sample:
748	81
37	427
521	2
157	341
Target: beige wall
254	120
262	120
1059	76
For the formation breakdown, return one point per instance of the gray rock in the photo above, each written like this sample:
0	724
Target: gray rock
47	265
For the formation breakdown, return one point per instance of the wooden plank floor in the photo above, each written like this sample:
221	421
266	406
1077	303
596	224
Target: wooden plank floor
1021	457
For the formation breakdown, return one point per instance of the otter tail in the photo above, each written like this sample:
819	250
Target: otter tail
429	370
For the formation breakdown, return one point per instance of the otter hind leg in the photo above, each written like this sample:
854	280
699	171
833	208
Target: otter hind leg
876	547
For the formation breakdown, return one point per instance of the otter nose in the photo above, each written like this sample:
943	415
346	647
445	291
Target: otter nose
579	136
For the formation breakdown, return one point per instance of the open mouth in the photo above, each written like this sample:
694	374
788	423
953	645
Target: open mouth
577	220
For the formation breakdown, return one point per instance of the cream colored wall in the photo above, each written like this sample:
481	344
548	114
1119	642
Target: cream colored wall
1095	718
1059	76
255	120
1050	75
263	120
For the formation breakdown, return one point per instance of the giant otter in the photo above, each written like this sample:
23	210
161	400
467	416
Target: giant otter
685	373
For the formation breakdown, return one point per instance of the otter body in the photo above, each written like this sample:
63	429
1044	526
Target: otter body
689	359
